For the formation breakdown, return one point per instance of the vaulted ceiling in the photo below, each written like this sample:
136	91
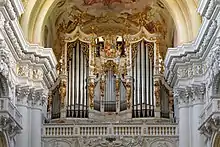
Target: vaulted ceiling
177	20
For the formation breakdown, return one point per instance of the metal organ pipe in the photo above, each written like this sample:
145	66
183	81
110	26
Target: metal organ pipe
77	73
138	75
81	79
135	83
69	83
143	75
73	79
84	83
147	98
151	82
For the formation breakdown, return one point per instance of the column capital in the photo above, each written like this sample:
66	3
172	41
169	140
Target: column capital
22	93
38	98
198	93
182	95
189	95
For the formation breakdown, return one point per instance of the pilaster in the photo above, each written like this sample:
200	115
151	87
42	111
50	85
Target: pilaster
22	94
198	102
182	95
38	101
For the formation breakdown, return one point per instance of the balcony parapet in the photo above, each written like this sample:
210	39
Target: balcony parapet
11	119
8	110
106	130
210	114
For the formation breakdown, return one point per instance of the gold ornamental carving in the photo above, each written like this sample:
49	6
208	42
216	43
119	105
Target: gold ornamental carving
128	94
157	92
102	87
62	92
110	65
117	87
150	46
91	94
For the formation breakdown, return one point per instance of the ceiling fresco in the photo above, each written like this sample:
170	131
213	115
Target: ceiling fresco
45	16
111	17
101	7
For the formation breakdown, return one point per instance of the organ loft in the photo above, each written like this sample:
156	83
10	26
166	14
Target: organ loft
111	72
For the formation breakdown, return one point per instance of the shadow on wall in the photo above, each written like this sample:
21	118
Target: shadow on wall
216	140
4	91
3	141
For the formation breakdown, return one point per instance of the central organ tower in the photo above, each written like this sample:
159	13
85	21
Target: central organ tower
111	77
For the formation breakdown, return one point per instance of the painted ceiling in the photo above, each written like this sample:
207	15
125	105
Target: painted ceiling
176	20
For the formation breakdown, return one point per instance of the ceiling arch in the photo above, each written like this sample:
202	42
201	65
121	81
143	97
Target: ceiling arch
184	13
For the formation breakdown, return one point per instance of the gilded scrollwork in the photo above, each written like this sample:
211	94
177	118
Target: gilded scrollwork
117	87
91	94
128	94
102	87
62	92
157	92
110	65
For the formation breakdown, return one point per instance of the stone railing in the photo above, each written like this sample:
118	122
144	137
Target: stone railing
211	110
8	110
70	130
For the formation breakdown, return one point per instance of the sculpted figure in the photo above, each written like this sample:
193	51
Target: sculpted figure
62	92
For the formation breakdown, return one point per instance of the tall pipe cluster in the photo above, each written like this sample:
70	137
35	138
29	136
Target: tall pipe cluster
142	73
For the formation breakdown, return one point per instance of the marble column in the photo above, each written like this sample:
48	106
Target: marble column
36	118
22	139
197	104
36	121
184	131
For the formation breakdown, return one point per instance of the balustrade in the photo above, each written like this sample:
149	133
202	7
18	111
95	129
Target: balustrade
69	130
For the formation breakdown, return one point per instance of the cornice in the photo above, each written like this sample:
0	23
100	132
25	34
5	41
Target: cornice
18	7
25	52
203	5
207	7
190	54
13	7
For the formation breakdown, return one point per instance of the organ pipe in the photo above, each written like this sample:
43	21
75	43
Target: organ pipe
69	83
77	73
143	69
72	78
147	77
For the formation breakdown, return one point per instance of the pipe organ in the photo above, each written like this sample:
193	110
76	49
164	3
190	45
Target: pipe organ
111	75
